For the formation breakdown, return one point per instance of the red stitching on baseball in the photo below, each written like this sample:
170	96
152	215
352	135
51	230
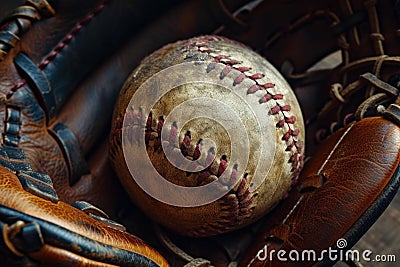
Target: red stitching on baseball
201	47
243	69
53	54
275	110
211	66
256	76
290	120
265	98
225	71
218	58
254	89
268	85
243	197
232	62
239	79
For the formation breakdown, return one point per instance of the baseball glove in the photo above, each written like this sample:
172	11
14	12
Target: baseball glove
351	107
352	111
62	64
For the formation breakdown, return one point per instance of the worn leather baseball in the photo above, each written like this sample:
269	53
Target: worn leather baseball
207	136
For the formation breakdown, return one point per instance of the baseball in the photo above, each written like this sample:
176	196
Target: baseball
207	136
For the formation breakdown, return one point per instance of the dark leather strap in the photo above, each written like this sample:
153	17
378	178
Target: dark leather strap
97	214
19	21
393	113
75	159
36	183
12	126
350	22
21	237
38	81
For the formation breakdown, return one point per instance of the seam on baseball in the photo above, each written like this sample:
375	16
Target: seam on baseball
202	52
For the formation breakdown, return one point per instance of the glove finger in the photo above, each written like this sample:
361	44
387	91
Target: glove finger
98	187
32	226
359	181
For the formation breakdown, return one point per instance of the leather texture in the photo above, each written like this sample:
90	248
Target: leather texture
352	169
64	63
66	234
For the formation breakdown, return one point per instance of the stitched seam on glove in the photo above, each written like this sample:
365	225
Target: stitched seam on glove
64	42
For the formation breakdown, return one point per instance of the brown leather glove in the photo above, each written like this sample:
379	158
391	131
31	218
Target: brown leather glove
352	113
352	116
62	64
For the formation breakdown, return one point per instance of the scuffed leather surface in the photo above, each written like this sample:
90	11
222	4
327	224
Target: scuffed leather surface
358	162
64	217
